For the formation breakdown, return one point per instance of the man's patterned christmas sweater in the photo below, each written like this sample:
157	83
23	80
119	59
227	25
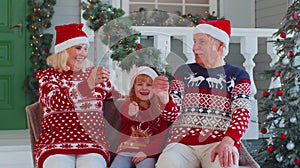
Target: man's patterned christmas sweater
214	103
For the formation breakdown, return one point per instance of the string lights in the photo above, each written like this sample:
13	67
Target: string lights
39	19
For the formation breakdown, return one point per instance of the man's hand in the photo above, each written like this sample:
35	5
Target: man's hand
161	88
225	152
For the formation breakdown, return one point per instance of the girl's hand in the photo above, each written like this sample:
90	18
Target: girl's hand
98	75
140	156
133	109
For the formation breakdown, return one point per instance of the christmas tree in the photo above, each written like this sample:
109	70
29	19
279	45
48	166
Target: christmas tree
280	103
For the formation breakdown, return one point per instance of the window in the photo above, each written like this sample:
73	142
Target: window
171	6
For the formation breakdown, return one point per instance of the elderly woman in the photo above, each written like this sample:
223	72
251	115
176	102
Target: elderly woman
71	94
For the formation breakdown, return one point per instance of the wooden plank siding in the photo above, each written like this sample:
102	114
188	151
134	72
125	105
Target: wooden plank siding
269	13
65	11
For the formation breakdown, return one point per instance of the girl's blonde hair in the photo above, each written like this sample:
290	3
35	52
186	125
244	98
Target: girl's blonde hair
59	61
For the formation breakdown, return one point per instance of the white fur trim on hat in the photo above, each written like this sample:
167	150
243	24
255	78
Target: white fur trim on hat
143	70
69	43
215	33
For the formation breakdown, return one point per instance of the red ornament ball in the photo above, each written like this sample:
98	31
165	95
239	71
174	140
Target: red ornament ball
47	50
266	94
294	15
291	53
282	35
36	14
270	149
274	109
282	136
138	47
260	150
279	92
264	130
101	20
297	161
277	73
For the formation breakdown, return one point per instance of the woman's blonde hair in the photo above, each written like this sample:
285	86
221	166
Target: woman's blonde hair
59	61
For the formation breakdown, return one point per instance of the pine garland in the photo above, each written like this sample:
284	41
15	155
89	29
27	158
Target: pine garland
118	34
98	14
162	18
117	31
39	20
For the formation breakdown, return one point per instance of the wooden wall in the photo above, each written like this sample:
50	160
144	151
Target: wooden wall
66	11
269	13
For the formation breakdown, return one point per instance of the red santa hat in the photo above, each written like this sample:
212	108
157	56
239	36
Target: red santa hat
218	29
143	70
68	36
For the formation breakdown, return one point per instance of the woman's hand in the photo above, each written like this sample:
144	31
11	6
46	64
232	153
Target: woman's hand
140	156
98	75
133	109
161	88
226	153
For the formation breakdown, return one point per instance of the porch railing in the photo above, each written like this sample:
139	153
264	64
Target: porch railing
247	37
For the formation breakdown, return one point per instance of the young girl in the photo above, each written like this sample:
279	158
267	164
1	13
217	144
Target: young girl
143	128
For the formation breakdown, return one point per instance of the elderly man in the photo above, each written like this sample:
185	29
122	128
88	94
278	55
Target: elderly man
214	98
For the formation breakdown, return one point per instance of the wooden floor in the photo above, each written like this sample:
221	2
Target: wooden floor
15	149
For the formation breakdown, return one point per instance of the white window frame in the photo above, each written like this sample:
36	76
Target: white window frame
212	5
125	4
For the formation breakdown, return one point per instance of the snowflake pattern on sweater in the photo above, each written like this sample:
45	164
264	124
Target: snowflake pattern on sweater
214	103
73	121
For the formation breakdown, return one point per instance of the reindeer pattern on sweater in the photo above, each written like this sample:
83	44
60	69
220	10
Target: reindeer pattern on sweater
214	103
